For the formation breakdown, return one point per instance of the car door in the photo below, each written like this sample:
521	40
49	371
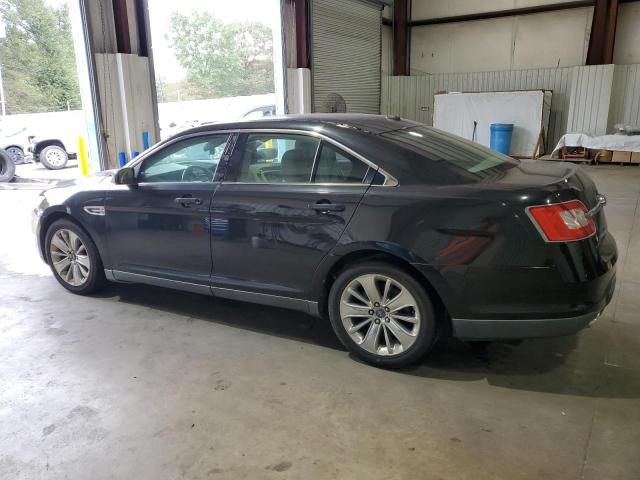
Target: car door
284	202
159	228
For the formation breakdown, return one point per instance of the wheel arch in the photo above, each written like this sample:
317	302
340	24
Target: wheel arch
398	260
52	217
42	144
13	145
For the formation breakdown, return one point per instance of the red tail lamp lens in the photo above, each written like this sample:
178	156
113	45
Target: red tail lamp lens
563	222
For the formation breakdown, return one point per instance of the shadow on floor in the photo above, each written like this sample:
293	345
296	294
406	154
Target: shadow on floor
564	365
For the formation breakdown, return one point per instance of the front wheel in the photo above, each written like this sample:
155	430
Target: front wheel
382	315
74	258
54	157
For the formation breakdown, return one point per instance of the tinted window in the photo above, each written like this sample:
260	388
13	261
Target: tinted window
438	157
277	158
336	166
192	160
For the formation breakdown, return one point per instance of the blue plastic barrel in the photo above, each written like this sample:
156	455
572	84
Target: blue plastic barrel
501	134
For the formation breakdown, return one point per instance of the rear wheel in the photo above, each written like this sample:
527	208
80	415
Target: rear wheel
74	258
16	154
382	314
54	157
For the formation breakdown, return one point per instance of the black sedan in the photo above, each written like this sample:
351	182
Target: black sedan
397	232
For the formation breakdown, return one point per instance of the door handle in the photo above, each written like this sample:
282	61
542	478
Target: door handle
188	201
325	208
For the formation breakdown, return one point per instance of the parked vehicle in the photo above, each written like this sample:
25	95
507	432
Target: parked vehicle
397	232
7	167
52	152
12	142
260	112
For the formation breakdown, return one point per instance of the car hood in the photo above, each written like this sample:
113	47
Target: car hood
60	192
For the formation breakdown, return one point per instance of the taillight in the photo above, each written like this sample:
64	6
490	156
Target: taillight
563	222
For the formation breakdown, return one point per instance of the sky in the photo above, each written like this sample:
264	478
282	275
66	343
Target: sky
165	63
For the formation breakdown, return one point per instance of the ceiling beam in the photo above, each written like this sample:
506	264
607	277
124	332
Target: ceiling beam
513	12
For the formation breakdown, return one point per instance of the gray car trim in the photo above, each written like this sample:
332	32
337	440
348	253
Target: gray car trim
479	329
120	276
302	305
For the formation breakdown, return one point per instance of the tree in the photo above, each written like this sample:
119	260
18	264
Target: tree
37	57
223	59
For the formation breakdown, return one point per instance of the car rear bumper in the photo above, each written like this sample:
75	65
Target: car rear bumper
511	329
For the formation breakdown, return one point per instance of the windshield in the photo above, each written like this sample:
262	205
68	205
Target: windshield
442	158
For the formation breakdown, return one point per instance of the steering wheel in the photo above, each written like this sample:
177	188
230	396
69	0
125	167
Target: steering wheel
196	173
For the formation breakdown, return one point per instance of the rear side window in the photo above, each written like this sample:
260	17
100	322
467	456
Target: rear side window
336	166
437	157
277	158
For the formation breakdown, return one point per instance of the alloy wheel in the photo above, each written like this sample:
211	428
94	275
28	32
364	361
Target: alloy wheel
69	257
380	314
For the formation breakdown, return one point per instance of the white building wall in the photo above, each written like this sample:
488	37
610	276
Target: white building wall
544	40
627	47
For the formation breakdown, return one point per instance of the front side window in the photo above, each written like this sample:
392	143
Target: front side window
336	166
277	158
192	160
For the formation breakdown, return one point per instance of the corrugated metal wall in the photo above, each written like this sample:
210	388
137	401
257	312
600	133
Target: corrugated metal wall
590	99
589	87
625	98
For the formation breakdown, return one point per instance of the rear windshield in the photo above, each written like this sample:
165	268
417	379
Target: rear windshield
437	157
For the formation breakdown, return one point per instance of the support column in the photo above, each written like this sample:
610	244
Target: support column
296	21
302	33
401	40
122	84
603	32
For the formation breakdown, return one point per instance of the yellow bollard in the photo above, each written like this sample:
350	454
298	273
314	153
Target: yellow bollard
83	157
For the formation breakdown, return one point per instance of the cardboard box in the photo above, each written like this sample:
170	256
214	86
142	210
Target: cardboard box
635	157
621	157
602	156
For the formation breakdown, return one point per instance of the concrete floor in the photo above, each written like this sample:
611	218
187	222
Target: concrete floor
146	383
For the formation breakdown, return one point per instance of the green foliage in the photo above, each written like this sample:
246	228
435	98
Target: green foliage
180	90
37	57
223	59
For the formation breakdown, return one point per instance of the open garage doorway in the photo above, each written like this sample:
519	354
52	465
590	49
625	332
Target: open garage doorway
42	117
214	60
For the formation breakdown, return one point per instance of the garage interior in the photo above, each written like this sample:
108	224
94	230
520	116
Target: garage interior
143	382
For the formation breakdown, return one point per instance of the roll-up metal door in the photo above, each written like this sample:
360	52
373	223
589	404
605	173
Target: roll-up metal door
346	55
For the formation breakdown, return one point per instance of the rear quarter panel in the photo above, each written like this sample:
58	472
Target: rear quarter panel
477	248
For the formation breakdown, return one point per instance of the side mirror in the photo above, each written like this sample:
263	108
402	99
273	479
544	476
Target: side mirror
125	176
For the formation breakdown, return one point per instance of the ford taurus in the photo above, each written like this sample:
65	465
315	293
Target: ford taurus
396	232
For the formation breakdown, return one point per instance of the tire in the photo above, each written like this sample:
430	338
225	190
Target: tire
402	338
16	153
54	157
7	167
63	237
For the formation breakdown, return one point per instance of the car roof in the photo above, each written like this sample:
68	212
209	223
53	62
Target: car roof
373	124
